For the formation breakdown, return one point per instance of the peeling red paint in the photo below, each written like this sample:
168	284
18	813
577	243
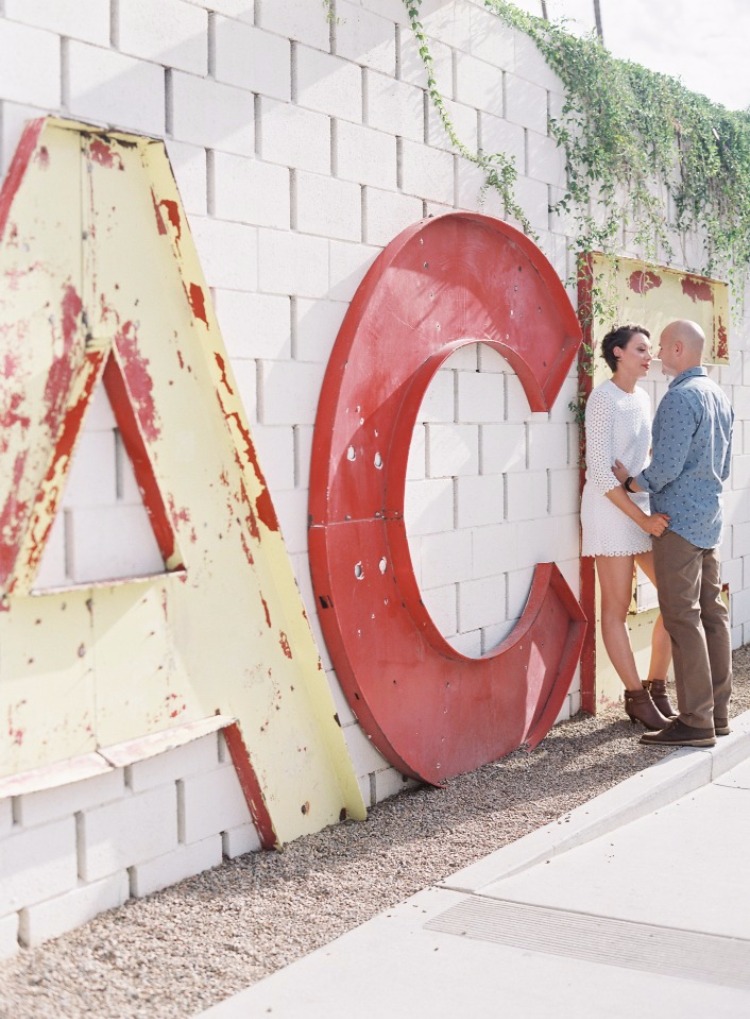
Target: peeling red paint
138	379
722	342
17	169
250	785
178	515
223	369
62	369
246	549
102	154
11	416
173	215
640	282
159	221
266	512
696	289
198	302
266	611
284	642
12	520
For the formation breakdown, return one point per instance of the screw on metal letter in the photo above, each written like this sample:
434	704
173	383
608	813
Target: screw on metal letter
447	713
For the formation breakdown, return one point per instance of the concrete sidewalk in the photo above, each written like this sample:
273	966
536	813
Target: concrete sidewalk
637	902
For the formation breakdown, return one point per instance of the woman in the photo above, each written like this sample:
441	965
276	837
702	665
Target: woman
617	526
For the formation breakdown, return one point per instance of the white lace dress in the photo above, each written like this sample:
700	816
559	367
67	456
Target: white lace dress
618	427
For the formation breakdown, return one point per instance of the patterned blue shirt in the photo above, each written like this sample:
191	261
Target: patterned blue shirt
692	454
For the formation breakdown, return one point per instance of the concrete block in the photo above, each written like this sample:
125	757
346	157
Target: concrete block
452	450
250	191
111	88
441	603
394	107
165	769
245	375
92	480
153	875
213	239
560	411
239	841
293	136
494	549
516	402
427	172
37	863
386	214
465	123
533	198
481	602
529	64
172	33
480	500
365	758
292	263
252	59
525	103
56	916
549	539
445	558
254	325
99	416
412	65
548	445
291	509
480	397
275	446
30	59
295	19
428	506
64	801
490	39
111	542
75	19
289	392
348	264
316	325
519	585
212	114
480	84
303	438
503	448
365	38
416	466
439	402
328	84
545	159
127	832
740	539
9	936
393	10
732	574
390	783
6	816
211	803
364	155
527	495
188	164
328	207
564	492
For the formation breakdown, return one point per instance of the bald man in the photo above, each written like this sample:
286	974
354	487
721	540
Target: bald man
692	452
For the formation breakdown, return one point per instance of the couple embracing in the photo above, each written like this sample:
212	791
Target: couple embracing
665	514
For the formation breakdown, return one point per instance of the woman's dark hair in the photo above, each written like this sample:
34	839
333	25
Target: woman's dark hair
619	337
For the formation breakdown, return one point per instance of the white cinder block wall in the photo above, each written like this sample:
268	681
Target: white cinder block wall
301	147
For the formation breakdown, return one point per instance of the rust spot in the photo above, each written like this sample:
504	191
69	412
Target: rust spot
223	369
284	642
305	808
342	814
42	157
198	302
180	359
696	289
159	221
640	282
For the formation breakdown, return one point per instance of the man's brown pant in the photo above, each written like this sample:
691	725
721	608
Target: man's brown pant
697	620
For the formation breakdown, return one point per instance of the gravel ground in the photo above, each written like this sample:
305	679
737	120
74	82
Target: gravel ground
186	948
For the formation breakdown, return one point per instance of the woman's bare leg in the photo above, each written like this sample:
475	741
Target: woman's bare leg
661	645
616	585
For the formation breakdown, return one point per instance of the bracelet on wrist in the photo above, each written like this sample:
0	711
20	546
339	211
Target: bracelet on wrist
627	485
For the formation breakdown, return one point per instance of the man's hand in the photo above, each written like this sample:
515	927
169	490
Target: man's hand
620	472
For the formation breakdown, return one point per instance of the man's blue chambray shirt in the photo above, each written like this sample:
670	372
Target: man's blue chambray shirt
692	454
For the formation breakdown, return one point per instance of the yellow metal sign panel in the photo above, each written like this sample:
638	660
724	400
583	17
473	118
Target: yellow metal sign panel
631	290
102	286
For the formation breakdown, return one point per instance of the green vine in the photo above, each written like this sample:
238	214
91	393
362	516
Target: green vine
624	129
499	170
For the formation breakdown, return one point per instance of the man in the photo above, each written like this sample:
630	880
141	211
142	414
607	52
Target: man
692	450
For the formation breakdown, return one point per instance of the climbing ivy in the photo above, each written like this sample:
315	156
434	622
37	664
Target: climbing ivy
625	129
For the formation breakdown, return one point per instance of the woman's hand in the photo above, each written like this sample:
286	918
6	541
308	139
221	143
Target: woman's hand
656	524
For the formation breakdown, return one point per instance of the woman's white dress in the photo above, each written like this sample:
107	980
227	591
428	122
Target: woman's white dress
618	427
